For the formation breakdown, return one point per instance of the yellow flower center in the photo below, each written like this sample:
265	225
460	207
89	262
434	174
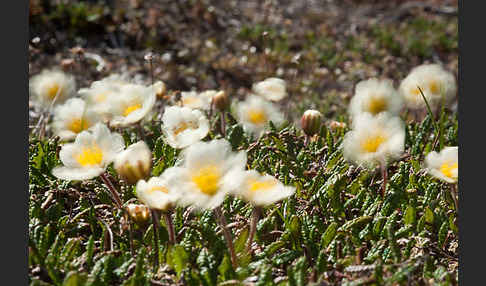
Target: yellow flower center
77	125
53	90
257	116
262	185
434	87
90	156
158	189
183	126
449	170
100	97
415	91
377	105
372	143
207	180
131	109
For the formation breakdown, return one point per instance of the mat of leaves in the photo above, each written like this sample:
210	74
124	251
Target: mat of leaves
335	230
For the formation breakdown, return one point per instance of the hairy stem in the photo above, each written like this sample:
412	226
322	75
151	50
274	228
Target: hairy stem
114	193
170	226
255	216
227	235
155	223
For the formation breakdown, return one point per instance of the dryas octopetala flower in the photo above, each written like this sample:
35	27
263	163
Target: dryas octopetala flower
50	84
311	122
208	173
72	117
374	140
273	89
436	83
183	126
134	163
255	112
158	192
443	165
100	94
195	100
261	190
133	103
90	153
375	96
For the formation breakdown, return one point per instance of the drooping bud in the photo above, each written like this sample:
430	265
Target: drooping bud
159	88
134	163
221	100
311	122
140	214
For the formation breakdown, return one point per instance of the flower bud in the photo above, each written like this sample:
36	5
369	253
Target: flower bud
134	163
336	124
221	100
159	88
139	213
311	122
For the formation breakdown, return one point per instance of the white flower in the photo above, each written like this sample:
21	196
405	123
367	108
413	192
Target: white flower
49	84
374	139
195	100
100	95
134	163
132	104
72	117
436	83
158	192
375	96
184	126
209	171
255	112
90	153
262	190
443	165
273	89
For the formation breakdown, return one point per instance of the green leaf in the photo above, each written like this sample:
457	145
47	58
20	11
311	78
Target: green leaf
329	235
177	258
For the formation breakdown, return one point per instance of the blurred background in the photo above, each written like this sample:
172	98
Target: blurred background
321	48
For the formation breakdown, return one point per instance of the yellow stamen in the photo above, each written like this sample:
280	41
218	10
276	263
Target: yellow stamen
257	116
434	87
377	105
158	189
449	170
131	109
372	143
183	126
262	185
53	90
90	156
207	180
77	125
